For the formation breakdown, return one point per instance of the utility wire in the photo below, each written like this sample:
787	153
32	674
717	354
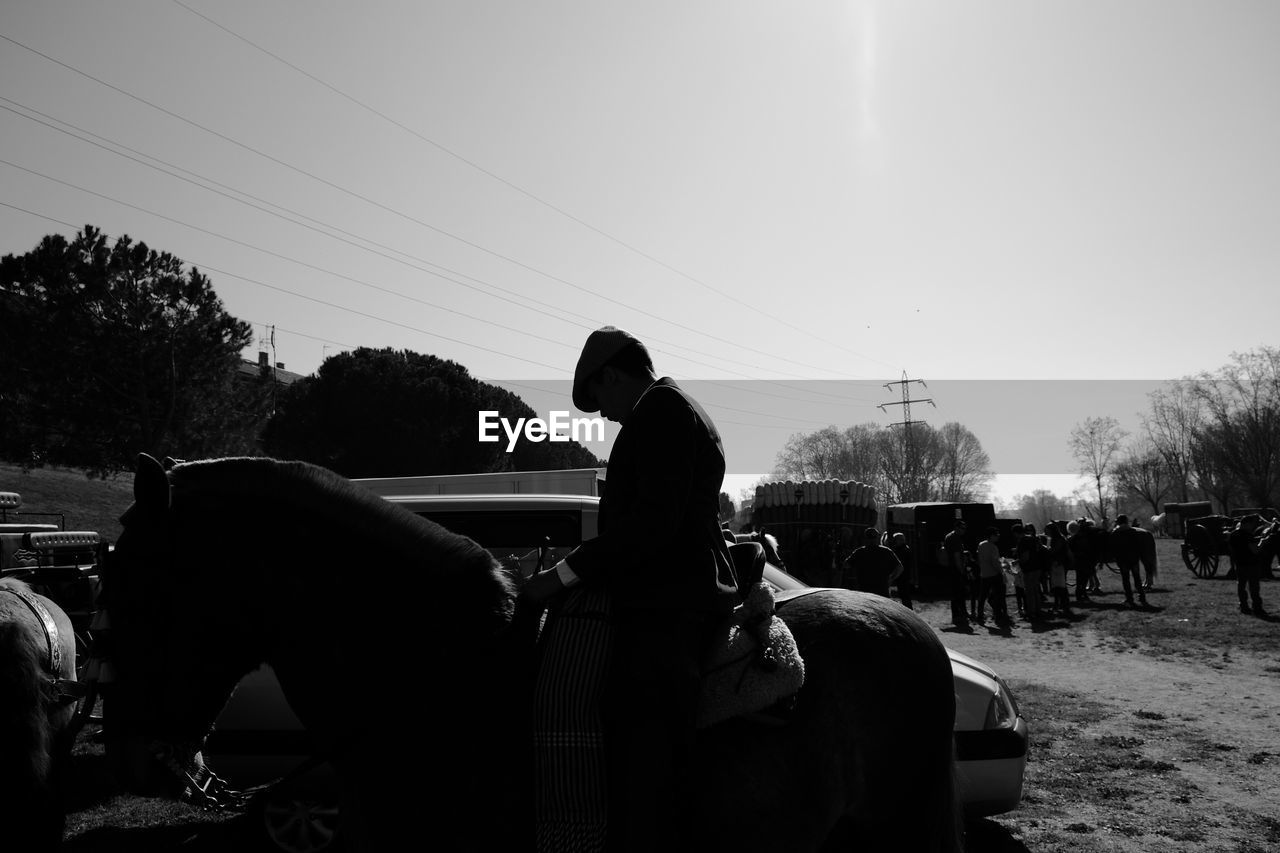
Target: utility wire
277	288
526	193
558	315
386	208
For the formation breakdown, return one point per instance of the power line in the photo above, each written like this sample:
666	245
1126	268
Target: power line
511	185
108	142
297	261
716	406
386	208
914	486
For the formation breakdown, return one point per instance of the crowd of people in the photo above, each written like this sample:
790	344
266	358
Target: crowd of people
1037	566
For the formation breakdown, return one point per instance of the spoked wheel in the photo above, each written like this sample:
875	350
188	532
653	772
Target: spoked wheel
301	825
1204	564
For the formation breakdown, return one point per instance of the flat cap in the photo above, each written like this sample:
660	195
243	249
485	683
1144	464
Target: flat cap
602	345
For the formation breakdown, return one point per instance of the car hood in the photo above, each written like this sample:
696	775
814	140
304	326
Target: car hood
966	661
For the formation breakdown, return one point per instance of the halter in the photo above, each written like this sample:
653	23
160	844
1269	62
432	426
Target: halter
65	690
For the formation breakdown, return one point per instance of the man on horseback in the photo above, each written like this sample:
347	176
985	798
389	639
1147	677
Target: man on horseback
664	476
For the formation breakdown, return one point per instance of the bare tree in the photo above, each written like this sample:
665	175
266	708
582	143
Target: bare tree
1242	410
812	456
1042	506
900	463
964	468
1176	414
948	463
1142	473
1216	482
1095	444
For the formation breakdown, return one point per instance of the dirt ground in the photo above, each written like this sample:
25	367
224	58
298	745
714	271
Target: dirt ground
1170	744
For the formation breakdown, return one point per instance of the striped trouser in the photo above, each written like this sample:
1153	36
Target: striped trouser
570	766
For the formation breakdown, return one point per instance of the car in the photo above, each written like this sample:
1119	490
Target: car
257	738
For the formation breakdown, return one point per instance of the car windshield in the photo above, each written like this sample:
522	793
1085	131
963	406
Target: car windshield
515	536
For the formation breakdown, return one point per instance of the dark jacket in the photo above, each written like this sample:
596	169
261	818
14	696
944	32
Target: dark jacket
1126	545
868	569
660	544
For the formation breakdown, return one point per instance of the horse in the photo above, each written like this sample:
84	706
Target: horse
1158	525
1268	548
37	667
361	607
768	542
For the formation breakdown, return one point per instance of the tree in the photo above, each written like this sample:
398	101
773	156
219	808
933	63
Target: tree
1210	467
727	509
117	349
964	468
1171	426
384	413
947	463
1095	445
1040	507
1142	473
830	453
1242	413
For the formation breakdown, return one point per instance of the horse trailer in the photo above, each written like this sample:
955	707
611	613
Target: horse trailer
927	523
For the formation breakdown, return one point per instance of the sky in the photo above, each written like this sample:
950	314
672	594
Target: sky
1042	210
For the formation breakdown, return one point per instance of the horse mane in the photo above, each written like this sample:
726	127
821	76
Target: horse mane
337	507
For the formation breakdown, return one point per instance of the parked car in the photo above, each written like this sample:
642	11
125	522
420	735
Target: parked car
257	738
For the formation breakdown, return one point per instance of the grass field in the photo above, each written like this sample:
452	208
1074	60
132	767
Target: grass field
87	504
1152	730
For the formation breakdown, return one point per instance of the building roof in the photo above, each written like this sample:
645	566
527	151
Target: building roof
282	376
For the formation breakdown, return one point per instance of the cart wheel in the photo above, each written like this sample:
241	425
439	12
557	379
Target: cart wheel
84	646
1202	563
300	825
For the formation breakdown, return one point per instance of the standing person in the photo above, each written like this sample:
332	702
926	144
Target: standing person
873	567
664	479
1028	551
1243	545
1081	547
991	578
1150	561
953	547
1126	549
1013	571
1059	563
906	580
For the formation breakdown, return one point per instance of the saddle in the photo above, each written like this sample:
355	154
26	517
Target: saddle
754	662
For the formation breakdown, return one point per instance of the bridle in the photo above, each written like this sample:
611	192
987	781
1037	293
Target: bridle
198	784
65	690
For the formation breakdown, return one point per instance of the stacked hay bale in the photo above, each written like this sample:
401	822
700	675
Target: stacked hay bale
816	522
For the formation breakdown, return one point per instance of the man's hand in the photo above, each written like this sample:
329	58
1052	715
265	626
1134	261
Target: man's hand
542	587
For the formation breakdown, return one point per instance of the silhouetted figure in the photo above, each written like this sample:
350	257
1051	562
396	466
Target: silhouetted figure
953	547
1126	546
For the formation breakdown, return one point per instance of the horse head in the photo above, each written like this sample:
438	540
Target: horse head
170	631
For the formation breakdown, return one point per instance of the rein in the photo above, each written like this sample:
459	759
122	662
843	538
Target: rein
65	690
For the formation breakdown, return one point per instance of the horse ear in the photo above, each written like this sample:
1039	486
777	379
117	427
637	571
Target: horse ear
150	484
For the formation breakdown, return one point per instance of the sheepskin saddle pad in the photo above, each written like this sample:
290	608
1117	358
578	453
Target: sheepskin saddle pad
753	664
